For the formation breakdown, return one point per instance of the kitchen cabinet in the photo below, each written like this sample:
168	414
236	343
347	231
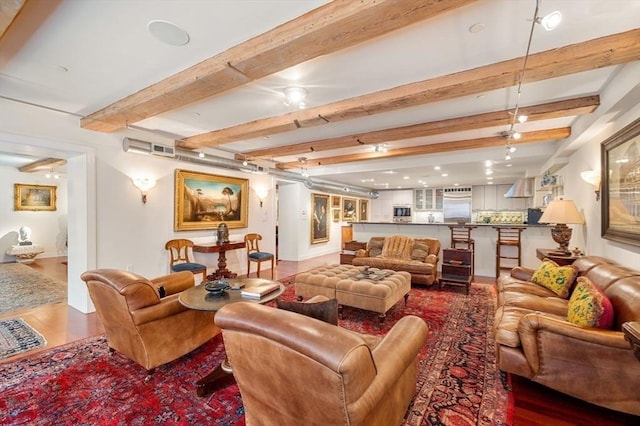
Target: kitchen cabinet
491	197
428	198
490	202
477	197
403	197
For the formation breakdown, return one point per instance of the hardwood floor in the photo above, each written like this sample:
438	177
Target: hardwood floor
535	405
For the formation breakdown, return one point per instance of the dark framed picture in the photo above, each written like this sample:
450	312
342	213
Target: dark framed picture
363	210
34	197
620	155
349	209
203	201
320	218
335	202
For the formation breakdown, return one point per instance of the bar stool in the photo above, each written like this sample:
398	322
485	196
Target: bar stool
461	238
508	237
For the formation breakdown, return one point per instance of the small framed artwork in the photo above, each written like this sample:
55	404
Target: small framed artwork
320	219
335	202
34	197
203	201
349	209
336	215
620	156
363	210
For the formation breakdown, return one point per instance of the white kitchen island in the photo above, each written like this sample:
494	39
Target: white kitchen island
485	236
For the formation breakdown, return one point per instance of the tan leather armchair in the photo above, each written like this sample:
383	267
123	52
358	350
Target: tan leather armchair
292	369
140	324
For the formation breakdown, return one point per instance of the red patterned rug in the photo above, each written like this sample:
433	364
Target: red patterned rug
80	383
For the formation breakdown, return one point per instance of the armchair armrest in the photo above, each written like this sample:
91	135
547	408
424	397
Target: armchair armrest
362	253
174	283
432	258
522	273
168	307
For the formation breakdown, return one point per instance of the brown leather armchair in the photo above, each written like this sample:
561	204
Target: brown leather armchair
140	324
292	369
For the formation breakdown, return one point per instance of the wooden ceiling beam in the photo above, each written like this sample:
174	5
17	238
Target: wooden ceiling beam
327	29
8	12
44	164
569	107
589	55
436	148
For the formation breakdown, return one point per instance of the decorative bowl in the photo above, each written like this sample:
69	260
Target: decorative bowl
217	286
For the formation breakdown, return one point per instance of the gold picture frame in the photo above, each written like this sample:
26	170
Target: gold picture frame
204	201
363	210
335	202
34	197
320	218
336	214
349	209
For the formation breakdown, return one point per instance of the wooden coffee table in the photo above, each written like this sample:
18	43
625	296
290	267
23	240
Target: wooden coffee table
200	299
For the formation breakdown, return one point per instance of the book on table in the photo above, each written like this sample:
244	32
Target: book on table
259	291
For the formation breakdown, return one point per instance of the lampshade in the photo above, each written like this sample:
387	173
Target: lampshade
561	211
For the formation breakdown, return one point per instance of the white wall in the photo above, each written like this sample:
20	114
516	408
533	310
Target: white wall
294	224
588	236
49	228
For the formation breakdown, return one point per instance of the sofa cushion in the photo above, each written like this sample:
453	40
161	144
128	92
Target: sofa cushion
420	251
589	307
397	247
558	279
375	246
326	311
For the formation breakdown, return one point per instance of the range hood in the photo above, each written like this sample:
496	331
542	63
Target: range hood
523	188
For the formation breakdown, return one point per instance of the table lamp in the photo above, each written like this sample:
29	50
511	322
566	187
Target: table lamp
561	212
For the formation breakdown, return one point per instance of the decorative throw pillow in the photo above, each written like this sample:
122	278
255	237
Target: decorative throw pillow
558	279
589	307
326	311
420	251
397	247
375	246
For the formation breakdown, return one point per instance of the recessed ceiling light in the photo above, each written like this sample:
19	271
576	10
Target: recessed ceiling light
508	165
456	184
436	168
445	174
488	163
168	32
490	183
390	172
489	177
405	177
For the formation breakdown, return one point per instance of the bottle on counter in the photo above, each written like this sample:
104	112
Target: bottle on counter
430	218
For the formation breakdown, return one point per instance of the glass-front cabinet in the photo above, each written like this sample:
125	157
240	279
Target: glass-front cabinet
428	198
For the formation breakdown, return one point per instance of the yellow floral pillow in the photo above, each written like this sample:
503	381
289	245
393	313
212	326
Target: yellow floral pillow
558	279
589	307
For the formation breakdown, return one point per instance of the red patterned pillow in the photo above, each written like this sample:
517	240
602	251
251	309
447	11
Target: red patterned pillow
589	307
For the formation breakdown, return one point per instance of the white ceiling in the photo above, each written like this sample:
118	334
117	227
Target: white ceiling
80	56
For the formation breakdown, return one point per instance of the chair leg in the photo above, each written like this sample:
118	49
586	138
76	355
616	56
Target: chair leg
272	259
258	273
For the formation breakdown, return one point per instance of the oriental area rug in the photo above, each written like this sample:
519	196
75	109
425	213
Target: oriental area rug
16	337
22	287
81	383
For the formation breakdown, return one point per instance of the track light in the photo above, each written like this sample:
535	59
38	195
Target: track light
550	21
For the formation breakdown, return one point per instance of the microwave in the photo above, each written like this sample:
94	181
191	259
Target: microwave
401	211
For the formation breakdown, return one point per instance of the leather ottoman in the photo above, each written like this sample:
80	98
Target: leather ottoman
345	284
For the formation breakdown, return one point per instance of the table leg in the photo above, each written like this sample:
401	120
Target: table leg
222	271
218	379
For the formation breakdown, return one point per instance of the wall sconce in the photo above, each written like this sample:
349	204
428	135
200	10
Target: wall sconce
262	193
592	177
144	184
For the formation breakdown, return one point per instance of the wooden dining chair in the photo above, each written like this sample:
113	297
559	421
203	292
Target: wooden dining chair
255	255
181	258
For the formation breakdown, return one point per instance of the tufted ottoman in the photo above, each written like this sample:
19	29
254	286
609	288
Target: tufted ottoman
341	282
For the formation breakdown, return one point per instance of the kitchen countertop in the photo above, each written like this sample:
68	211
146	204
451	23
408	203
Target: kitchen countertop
539	225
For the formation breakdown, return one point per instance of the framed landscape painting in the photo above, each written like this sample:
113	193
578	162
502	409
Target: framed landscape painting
203	201
320	218
34	197
620	155
349	209
363	210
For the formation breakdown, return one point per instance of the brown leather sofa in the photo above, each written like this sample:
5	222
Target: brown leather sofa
418	256
140	324
535	340
292	369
